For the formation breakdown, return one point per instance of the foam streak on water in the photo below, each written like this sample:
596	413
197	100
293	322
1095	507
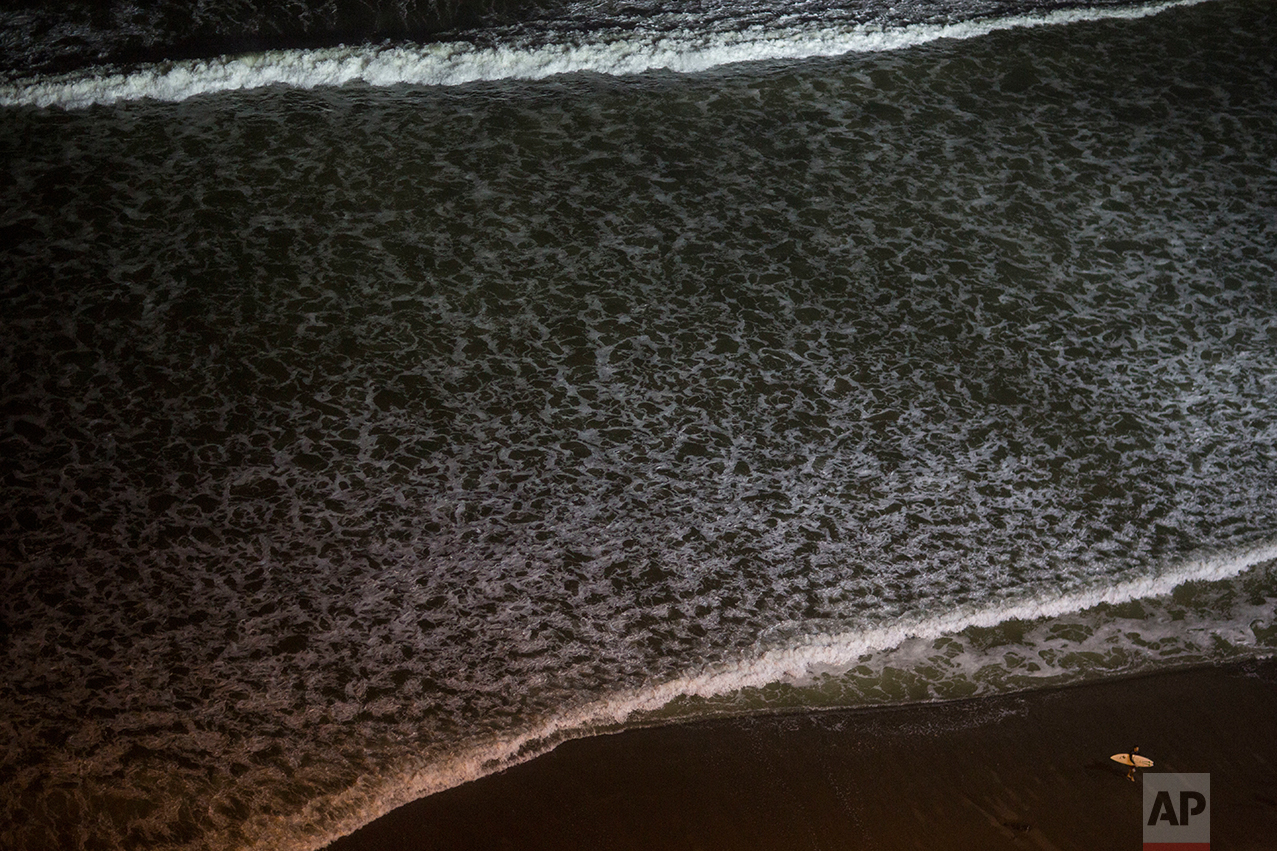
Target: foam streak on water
631	51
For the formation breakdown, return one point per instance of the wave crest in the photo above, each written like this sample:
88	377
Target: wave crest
611	52
808	660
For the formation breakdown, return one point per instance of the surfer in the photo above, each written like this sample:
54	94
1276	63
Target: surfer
1130	775
1133	760
1135	763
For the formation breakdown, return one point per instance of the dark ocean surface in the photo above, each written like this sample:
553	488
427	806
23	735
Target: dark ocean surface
376	416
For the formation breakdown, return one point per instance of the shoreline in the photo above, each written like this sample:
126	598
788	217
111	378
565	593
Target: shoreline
1023	770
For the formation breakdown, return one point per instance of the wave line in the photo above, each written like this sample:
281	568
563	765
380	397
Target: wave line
370	800
617	53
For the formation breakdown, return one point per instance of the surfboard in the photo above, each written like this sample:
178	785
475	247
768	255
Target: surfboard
1133	760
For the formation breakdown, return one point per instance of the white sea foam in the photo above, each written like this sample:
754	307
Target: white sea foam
447	64
798	662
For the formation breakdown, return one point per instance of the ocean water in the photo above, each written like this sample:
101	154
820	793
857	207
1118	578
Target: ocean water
378	415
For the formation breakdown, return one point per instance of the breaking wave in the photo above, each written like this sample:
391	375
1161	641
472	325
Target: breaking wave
616	52
1167	620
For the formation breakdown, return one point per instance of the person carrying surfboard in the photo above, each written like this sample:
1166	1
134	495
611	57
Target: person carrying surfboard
1134	760
1130	775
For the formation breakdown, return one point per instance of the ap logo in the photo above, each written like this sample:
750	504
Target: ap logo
1176	812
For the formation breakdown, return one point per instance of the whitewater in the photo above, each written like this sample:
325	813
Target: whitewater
802	665
653	45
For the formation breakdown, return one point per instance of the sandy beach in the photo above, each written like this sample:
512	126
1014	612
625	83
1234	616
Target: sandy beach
1021	771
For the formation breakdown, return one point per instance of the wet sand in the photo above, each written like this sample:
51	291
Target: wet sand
1026	771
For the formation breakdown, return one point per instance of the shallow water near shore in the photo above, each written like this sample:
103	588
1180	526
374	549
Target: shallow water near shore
361	440
1029	769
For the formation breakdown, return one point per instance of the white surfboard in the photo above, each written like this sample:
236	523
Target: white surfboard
1132	759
